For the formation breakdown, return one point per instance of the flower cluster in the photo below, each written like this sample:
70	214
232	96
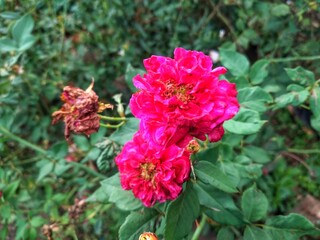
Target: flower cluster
178	100
79	111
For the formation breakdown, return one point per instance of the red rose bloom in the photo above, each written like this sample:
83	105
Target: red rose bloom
153	173
183	97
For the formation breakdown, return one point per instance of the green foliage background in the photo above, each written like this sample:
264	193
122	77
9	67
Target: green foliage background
272	52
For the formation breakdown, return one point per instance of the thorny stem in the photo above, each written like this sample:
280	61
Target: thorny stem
44	152
290	59
199	229
111	126
112	118
305	151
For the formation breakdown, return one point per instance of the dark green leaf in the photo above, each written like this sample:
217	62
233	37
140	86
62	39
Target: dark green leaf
225	233
290	227
258	155
125	132
254	204
209	154
258	71
10	190
137	223
235	62
130	74
254	233
181	214
294	98
221	205
247	121
209	173
254	98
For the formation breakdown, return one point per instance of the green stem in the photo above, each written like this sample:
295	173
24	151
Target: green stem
199	229
87	169
44	152
112	118
111	126
290	59
305	151
22	141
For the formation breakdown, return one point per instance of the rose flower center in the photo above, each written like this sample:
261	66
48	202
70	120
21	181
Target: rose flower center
181	91
148	171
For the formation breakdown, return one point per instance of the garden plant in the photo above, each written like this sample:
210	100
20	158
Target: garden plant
158	119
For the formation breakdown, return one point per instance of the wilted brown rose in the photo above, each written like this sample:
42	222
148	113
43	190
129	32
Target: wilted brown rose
79	112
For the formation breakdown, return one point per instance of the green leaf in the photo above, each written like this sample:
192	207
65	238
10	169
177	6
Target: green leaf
137	223
300	75
315	123
45	169
235	62
111	191
22	28
258	71
125	132
225	233
258	155
247	121
254	204
27	43
290	227
7	45
294	98
181	214
10	15
315	101
209	154
130	74
10	190
280	10
222	207
254	98
254	233
210	174
37	221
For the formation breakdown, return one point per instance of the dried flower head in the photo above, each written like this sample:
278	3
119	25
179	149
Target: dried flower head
148	236
79	111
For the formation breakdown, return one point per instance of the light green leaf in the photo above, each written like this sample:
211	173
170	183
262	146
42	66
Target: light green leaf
181	214
236	63
7	45
315	102
137	223
221	207
11	189
9	15
300	75
258	71
27	43
290	227
280	10
247	121
254	204
294	98
45	169
125	132
111	191
210	174
254	233
37	221
22	28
